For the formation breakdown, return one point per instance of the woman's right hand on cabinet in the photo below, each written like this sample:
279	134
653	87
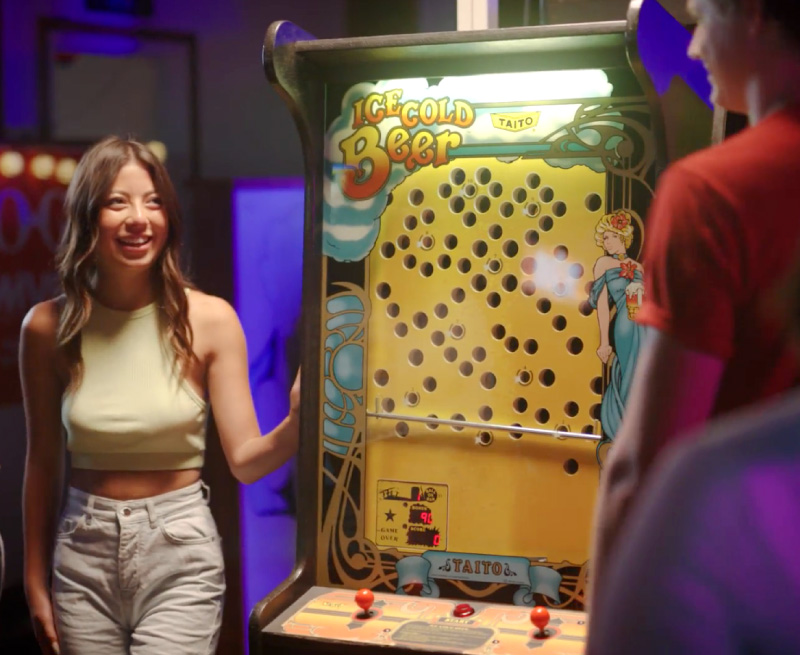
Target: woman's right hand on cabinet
294	395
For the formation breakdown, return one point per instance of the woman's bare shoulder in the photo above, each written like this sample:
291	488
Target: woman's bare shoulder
207	312
41	320
603	264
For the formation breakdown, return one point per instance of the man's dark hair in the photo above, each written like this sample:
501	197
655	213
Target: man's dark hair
784	12
787	14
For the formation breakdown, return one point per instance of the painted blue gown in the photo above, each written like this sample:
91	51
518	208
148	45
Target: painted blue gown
628	339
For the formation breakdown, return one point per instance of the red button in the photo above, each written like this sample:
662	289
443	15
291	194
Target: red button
463	609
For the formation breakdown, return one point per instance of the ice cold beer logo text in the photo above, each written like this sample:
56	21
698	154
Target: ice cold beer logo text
368	162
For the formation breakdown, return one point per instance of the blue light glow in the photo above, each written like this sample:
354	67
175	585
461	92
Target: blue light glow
663	43
267	262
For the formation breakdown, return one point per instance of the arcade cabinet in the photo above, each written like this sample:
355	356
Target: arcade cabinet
474	211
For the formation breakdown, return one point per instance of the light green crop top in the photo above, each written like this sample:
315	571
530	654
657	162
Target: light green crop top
131	412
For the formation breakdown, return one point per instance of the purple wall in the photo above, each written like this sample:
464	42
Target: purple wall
267	259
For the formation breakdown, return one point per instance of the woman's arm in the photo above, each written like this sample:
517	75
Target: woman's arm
250	456
603	313
44	462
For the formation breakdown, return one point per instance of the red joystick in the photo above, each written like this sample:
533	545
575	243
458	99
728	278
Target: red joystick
364	599
540	617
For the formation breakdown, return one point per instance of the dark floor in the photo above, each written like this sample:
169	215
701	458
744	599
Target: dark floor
16	633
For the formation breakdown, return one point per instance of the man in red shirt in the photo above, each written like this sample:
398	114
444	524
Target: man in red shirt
723	231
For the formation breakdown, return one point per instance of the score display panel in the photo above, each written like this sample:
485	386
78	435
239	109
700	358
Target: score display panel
472	273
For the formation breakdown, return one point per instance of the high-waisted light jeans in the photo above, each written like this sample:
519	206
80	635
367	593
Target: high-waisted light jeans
138	577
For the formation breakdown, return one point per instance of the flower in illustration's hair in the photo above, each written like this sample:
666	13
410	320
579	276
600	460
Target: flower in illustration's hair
619	221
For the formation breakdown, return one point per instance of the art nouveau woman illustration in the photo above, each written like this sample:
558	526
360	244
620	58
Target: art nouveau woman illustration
617	286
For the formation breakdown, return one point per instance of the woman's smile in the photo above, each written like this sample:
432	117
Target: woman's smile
137	246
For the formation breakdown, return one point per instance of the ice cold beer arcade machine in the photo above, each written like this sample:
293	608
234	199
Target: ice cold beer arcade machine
473	233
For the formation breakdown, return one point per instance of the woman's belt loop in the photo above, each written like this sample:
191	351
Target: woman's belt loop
151	513
206	492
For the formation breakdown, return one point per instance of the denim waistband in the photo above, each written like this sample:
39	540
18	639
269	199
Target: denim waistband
140	509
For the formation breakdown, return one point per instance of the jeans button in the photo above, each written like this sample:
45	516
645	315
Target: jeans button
126	511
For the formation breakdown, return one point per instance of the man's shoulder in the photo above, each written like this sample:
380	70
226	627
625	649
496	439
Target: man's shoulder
750	159
764	432
713	165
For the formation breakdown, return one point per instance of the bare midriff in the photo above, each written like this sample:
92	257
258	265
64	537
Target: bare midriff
131	485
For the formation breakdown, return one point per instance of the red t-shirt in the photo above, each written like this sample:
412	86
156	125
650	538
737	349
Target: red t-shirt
722	234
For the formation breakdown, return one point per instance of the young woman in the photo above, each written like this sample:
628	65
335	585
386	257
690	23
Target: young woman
127	362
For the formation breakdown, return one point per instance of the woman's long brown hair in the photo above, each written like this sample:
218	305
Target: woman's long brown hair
86	195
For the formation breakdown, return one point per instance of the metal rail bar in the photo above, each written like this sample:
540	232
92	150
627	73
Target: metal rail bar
486	426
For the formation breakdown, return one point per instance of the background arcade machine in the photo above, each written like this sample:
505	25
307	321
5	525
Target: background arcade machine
474	207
